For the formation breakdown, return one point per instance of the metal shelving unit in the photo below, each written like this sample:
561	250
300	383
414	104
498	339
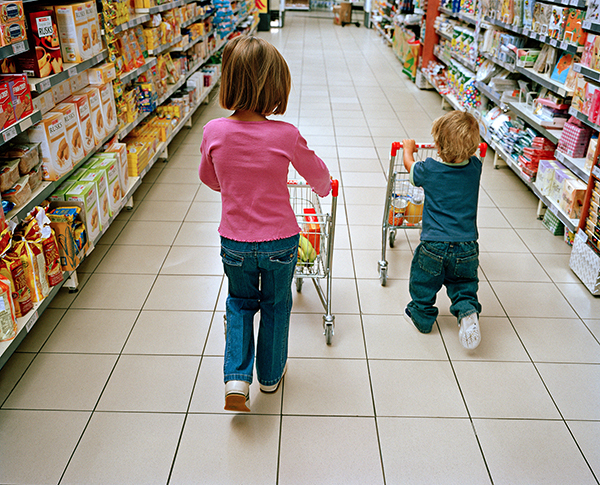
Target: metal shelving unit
135	21
131	75
19	127
14	49
524	111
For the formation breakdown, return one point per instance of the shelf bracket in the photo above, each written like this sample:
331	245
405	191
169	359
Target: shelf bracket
541	210
129	204
72	283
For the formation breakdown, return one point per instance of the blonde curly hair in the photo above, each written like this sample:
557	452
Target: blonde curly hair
456	136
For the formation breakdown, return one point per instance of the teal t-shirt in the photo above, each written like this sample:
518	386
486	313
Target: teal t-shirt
451	195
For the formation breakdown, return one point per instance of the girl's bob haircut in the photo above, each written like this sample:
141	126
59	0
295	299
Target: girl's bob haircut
255	77
456	135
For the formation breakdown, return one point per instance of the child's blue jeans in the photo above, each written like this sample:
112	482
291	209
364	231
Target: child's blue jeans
453	265
260	277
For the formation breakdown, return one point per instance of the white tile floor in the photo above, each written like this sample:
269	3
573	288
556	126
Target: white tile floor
122	382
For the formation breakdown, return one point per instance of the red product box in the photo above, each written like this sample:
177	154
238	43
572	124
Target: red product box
7	113
312	229
20	94
12	33
43	57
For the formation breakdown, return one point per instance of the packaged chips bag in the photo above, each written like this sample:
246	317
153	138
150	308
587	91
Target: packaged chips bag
8	318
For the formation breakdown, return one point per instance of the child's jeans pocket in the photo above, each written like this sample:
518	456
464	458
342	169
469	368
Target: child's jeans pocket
429	261
468	262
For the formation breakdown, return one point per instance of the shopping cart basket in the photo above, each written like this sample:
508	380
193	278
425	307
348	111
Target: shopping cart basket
315	250
403	208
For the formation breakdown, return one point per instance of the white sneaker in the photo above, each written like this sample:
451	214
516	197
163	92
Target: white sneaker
469	333
237	396
274	387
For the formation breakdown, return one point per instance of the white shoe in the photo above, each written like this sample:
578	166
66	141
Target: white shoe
469	333
274	387
237	396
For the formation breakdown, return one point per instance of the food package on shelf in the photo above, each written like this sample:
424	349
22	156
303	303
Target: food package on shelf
12	33
590	156
11	267
74	138
109	166
572	197
20	193
79	81
102	74
7	112
44	55
61	91
107	105
20	94
74	32
85	192
96	114
100	180
8	318
81	101
34	266
94	26
137	157
59	195
120	150
52	134
44	102
35	177
29	155
67	220
9	173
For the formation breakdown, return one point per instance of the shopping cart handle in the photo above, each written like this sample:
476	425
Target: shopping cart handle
335	184
482	149
395	147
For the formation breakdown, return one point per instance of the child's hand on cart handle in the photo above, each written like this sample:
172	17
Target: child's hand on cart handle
409	149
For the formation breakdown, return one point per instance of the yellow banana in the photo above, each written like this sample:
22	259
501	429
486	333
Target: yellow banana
306	252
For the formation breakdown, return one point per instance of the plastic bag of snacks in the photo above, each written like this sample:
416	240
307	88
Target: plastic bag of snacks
11	268
8	319
34	266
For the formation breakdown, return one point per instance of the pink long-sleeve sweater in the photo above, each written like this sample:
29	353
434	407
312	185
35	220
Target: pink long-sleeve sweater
248	161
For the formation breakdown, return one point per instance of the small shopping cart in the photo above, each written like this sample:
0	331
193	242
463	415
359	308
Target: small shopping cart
403	208
315	250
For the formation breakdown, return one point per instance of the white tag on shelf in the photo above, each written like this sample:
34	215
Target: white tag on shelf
542	37
73	71
596	171
19	47
45	85
526	32
554	210
564	45
553	42
580	234
587	24
31	322
9	133
99	58
26	123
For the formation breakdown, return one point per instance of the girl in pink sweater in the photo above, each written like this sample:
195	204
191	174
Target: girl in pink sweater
246	158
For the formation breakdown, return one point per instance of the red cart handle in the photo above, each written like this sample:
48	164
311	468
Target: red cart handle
482	149
335	184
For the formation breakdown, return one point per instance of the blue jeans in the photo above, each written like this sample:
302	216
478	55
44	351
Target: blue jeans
453	265
260	277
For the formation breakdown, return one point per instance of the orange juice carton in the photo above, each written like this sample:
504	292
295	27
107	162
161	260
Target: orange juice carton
85	192
56	153
82	104
74	31
96	113
69	111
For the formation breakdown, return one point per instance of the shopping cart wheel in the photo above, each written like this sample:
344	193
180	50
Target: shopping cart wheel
328	328
383	276
298	284
392	238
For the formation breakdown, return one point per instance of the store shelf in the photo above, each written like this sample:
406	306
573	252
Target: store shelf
495	60
46	188
490	94
14	49
472	67
130	76
467	18
39	85
591	26
191	43
197	18
524	112
545	81
133	22
9	133
587	72
580	116
576	165
160	8
164	47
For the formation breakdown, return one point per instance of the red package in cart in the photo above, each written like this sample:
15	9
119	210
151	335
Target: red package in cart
312	229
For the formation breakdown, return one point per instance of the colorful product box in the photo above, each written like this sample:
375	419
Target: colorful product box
96	112
120	150
110	167
85	121
20	94
44	56
99	179
44	102
11	12
7	112
75	37
94	26
572	198
85	192
102	74
74	138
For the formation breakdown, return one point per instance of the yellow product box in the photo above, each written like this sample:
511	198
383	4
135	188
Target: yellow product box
573	197
96	114
74	32
120	150
81	101
85	192
102	74
110	167
61	91
79	81
99	178
108	107
44	102
137	158
74	138
94	26
56	155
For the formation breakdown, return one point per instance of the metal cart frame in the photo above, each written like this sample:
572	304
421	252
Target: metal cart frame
318	233
399	188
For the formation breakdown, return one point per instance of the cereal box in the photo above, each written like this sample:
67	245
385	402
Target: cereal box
85	121
69	111
75	37
96	114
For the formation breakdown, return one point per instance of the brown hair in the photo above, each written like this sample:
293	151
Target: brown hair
456	135
255	77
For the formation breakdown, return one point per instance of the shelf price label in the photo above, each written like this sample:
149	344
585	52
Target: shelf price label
73	71
553	42
554	209
581	235
44	85
596	171
564	45
526	31
19	47
587	24
9	133
31	322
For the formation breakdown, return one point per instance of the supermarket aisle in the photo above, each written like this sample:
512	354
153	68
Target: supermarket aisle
122	382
